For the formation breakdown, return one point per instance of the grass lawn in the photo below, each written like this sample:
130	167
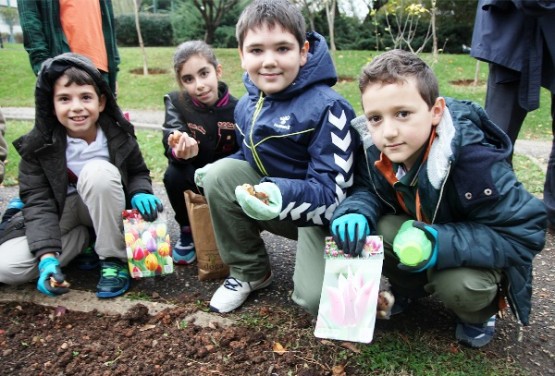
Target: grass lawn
137	91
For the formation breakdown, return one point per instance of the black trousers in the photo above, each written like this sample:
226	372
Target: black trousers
504	110
178	179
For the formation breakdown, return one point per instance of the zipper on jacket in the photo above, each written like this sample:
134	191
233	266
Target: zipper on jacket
257	110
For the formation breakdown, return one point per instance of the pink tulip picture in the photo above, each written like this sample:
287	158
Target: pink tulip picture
350	290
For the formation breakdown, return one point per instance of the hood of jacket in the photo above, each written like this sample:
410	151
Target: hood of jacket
47	125
319	68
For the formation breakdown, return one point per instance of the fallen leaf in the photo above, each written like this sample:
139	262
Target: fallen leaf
338	370
278	348
60	311
147	327
350	346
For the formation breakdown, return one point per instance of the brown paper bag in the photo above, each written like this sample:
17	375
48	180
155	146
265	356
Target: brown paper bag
210	265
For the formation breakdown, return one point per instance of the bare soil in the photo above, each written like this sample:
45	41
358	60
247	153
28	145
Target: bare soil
272	336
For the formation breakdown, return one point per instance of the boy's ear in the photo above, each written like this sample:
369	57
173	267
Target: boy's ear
101	103
304	53
437	110
219	71
241	56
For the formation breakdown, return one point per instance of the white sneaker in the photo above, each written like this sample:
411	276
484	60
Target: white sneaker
233	293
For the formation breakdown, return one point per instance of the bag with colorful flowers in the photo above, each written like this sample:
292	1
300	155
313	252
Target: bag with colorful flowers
147	244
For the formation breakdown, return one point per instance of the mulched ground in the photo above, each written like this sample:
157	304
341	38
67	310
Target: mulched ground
273	336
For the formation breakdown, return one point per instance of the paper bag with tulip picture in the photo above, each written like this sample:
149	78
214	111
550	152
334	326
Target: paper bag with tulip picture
210	265
350	291
148	245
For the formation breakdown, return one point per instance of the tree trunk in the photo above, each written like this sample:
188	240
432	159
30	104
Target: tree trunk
141	44
434	34
330	15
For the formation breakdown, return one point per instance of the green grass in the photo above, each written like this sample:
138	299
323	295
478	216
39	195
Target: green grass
137	91
151	146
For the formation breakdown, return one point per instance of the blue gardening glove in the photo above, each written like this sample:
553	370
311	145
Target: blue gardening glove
51	280
148	205
200	173
257	208
349	233
416	245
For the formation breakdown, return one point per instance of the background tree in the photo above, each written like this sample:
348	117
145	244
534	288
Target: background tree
11	18
136	4
212	12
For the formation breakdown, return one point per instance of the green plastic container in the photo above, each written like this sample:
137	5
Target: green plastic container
411	245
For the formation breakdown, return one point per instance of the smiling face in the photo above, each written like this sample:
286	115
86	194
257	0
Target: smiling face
200	79
78	108
399	120
272	57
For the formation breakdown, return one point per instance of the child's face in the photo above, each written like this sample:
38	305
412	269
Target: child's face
272	58
77	108
200	79
399	120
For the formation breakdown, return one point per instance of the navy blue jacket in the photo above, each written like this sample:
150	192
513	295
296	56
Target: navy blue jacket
518	35
469	193
300	138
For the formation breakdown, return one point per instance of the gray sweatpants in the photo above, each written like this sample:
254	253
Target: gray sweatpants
98	203
239	241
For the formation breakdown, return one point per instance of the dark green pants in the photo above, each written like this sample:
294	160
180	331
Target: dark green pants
469	292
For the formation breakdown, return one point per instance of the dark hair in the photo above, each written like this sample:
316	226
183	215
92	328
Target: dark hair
80	77
271	13
191	48
396	66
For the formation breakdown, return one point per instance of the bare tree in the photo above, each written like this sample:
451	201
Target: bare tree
136	5
212	12
311	8
330	16
406	15
10	16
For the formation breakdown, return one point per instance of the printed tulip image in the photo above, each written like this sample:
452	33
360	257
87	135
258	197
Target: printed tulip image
148	245
139	254
350	293
349	301
151	262
164	249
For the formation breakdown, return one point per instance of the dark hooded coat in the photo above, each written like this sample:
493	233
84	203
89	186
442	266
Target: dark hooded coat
43	177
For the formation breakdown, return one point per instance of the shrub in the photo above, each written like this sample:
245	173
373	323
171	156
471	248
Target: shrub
156	30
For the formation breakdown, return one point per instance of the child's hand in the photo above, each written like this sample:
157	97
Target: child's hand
349	233
256	208
183	146
51	280
148	205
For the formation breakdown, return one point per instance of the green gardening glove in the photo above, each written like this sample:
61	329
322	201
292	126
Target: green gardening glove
257	208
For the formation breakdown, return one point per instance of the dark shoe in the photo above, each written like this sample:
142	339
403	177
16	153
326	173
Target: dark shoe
400	305
476	335
183	252
88	259
114	278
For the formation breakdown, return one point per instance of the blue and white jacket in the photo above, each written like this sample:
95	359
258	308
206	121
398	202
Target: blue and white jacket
300	138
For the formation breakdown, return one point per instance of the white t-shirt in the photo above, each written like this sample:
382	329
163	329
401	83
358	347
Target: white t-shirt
79	153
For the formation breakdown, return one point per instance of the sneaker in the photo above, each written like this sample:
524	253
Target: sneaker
233	293
183	252
114	278
88	259
476	335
